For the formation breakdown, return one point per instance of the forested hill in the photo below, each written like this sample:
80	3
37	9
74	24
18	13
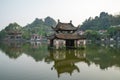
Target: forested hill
101	22
38	26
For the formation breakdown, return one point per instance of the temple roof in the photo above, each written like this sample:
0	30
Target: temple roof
73	36
66	31
51	36
69	36
65	26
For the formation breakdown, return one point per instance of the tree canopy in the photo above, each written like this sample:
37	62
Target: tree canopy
101	22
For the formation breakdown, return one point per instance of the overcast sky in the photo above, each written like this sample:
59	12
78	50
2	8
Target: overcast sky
25	11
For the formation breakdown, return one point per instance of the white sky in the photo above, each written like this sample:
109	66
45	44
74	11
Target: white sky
25	11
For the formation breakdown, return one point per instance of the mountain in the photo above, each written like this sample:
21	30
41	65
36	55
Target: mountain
36	23
101	22
10	28
38	26
13	27
50	21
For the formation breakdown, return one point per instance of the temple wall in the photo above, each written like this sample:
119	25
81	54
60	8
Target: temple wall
81	42
59	43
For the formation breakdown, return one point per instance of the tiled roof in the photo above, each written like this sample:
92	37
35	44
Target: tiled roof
65	26
51	36
68	36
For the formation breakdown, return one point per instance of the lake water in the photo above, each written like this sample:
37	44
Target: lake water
33	61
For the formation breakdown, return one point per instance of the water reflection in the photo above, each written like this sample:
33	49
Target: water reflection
36	50
104	56
64	61
12	49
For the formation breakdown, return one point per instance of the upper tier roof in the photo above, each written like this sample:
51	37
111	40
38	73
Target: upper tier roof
65	26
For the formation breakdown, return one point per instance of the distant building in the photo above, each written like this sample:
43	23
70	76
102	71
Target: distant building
66	35
14	32
35	44
35	37
102	31
81	32
14	35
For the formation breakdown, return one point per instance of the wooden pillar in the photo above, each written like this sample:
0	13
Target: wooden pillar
76	43
51	43
73	43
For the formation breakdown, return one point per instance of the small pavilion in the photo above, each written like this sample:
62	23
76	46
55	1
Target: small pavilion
14	35
67	35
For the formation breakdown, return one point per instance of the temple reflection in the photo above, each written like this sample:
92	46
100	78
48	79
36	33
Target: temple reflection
35	44
64	60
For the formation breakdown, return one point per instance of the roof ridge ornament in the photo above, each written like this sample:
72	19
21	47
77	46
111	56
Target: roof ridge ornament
58	20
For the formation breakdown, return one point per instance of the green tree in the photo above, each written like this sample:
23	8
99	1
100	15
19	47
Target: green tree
114	31
101	22
92	35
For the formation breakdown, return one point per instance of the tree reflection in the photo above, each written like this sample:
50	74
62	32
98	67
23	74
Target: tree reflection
15	49
12	49
104	56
